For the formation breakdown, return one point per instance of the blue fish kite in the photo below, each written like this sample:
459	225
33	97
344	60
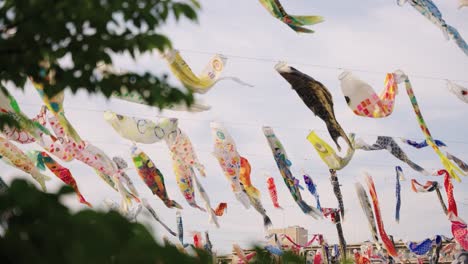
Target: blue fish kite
424	246
312	189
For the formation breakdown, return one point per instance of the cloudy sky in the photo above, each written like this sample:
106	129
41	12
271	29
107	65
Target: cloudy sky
373	37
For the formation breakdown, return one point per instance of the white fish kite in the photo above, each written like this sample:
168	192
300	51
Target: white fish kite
428	9
141	130
462	3
203	82
229	159
15	157
459	91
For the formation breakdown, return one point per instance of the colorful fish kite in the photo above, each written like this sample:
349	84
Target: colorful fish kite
428	9
15	157
43	160
458	90
31	129
284	164
388	244
296	23
220	209
23	136
399	176
312	187
152	177
328	154
452	204
389	144
229	159
316	97
55	106
243	259
141	130
423	247
430	186
206	80
362	98
273	193
367	208
459	230
337	190
197	240
252	192
180	229
155	216
452	169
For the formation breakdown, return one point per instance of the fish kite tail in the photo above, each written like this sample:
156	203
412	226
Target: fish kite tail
337	133
306	209
195	205
82	200
461	43
172	204
300	29
243	199
213	218
41	179
307	20
267	221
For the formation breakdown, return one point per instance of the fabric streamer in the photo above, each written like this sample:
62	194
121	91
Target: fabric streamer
428	9
296	23
141	130
452	204
318	257
152	177
243	259
430	186
15	157
459	230
252	192
312	187
389	144
284	164
328	154
274	250
388	244
422	144
362	98
423	247
449	166
399	175
155	216
203	82
316	97
229	159
220	209
180	229
42	160
273	193
312	240
367	208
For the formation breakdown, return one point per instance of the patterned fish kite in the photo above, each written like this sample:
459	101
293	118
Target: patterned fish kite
449	166
206	80
121	166
219	211
459	230
152	177
296	23
328	154
388	244
362	98
14	156
458	90
23	136
312	189
452	204
43	160
31	128
316	97
229	159
399	176
423	247
252	192
55	106
367	208
273	193
428	9
155	216
337	190
389	144
284	165
141	130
